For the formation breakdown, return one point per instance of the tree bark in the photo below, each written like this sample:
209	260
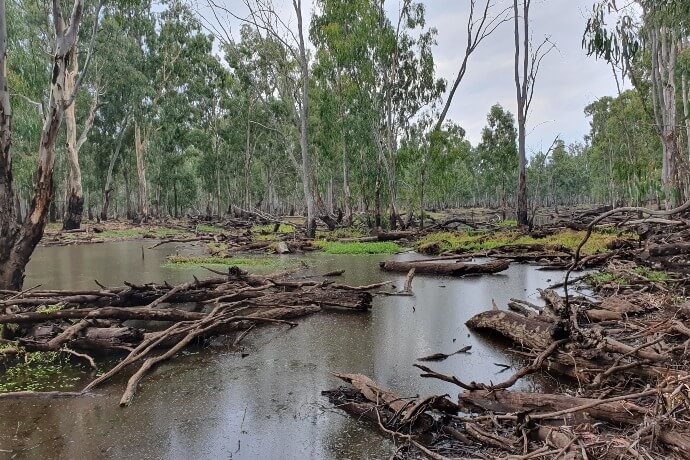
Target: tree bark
17	247
504	401
74	199
449	269
139	150
9	227
521	88
664	58
108	186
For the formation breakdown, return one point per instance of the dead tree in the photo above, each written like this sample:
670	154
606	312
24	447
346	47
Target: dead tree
477	30
530	59
18	241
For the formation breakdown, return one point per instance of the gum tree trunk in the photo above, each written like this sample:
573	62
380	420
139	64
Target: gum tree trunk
17	243
74	199
139	151
108	187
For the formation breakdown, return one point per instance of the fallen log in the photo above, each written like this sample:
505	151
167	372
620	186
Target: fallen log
504	401
349	299
666	250
102	313
528	332
445	269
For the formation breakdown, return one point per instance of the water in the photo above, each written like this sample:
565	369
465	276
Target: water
214	404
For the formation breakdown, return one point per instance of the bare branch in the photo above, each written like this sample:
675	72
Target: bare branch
477	31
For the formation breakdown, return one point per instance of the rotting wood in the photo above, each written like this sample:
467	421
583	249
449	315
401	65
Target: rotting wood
445	269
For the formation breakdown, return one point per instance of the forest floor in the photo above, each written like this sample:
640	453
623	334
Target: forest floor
617	335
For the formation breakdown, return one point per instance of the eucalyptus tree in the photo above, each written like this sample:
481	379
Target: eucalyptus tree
405	82
344	32
292	70
644	38
497	153
126	78
620	173
18	241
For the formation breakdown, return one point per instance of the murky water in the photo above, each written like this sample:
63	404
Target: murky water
214	404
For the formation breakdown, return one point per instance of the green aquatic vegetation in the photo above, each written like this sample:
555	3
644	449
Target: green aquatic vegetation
39	371
187	262
436	243
216	248
378	247
508	223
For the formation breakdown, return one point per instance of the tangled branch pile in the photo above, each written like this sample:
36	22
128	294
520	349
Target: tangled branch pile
622	356
101	321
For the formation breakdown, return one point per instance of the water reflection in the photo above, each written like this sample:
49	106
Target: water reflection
216	404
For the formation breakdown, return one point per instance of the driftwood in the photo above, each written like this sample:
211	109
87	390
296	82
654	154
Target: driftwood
504	401
445	269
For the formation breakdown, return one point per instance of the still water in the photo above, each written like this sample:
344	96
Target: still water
216	404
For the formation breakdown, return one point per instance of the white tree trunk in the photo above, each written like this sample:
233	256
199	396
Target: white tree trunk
139	151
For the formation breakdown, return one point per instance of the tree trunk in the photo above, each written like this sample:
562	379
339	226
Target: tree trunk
74	196
129	214
664	58
685	96
143	208
16	248
9	227
347	194
108	187
521	88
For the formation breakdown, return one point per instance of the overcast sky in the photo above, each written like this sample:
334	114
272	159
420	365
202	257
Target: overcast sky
568	79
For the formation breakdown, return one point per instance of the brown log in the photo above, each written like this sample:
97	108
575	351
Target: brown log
504	401
445	269
529	332
108	338
666	250
677	441
350	299
597	314
373	392
103	313
619	304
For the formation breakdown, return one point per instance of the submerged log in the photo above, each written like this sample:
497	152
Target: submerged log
445	269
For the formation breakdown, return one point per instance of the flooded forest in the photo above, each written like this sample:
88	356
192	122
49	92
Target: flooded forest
344	229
